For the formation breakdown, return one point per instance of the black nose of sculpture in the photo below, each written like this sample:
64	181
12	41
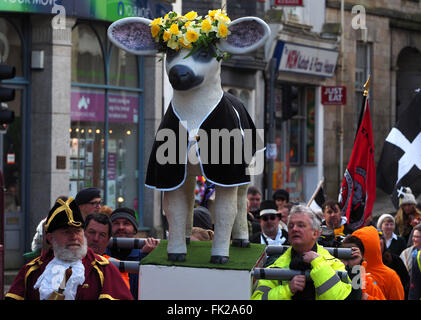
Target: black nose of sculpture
183	78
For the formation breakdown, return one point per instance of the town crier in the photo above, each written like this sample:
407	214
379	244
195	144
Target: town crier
69	270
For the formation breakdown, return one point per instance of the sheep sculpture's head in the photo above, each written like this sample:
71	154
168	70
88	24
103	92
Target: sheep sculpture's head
194	45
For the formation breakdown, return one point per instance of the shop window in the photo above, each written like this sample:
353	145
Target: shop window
104	128
122	155
86	139
295	139
87	57
123	69
11	51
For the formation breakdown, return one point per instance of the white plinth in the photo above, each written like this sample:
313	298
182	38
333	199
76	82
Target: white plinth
157	282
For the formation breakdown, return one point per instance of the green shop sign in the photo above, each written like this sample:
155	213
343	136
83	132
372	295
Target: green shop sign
108	10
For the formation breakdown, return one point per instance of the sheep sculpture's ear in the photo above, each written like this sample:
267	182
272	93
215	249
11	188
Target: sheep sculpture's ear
133	35
246	34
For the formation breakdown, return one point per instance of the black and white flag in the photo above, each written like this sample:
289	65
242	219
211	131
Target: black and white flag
400	161
318	198
318	201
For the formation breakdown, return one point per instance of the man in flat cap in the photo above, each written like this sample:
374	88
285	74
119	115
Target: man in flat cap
69	270
89	201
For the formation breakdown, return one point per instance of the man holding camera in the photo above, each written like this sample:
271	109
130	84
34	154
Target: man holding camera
305	254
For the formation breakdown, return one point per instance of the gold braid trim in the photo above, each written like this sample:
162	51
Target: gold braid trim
66	207
106	296
14	296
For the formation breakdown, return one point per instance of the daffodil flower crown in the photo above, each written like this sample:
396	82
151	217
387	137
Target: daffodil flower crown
191	31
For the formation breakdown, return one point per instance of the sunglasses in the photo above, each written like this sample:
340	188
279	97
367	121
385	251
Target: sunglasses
267	217
95	203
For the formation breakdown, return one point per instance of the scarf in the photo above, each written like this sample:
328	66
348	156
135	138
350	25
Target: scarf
297	263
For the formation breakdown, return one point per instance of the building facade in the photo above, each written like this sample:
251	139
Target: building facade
82	111
381	39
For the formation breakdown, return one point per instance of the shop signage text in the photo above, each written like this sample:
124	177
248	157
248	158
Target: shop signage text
88	106
289	3
308	60
333	95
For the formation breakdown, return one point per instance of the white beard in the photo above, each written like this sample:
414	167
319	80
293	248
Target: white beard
70	255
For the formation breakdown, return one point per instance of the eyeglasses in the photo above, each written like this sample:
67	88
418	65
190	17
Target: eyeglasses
95	203
267	217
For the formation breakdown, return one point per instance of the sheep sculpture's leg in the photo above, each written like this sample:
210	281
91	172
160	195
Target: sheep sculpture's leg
225	211
240	232
177	204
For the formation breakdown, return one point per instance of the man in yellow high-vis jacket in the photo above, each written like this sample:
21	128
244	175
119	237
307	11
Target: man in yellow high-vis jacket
305	254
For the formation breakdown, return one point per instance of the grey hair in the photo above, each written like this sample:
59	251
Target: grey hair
302	208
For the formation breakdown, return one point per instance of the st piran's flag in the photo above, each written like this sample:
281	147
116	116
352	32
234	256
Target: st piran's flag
319	200
358	189
400	161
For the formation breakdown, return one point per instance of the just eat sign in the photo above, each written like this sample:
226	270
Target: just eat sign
288	2
334	95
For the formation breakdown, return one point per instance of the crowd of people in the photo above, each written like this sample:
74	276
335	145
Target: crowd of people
73	258
385	262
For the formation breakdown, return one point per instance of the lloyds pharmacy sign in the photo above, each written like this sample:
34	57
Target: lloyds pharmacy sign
108	10
297	58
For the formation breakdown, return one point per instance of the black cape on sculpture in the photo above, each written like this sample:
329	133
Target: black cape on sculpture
229	115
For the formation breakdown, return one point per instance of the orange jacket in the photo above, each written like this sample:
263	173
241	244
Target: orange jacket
372	289
386	278
124	275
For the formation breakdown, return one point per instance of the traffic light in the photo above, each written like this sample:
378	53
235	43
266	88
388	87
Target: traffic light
6	94
289	101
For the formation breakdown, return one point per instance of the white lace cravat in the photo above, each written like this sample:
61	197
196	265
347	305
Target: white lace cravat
53	274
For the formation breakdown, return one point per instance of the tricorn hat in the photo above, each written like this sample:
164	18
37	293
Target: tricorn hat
64	214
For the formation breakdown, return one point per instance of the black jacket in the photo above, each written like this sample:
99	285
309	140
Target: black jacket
229	114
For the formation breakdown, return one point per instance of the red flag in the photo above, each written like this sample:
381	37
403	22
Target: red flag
358	190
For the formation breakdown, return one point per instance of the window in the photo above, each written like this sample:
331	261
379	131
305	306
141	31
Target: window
87	58
362	71
105	104
11	53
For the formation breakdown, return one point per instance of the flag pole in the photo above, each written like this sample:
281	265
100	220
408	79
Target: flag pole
315	192
365	95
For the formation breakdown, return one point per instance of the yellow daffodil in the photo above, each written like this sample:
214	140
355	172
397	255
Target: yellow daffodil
173	44
192	35
222	31
206	26
166	36
222	18
174	29
211	14
185	43
155	30
191	15
156	21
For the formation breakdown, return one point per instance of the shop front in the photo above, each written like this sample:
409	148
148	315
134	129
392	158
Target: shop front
79	110
302	67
